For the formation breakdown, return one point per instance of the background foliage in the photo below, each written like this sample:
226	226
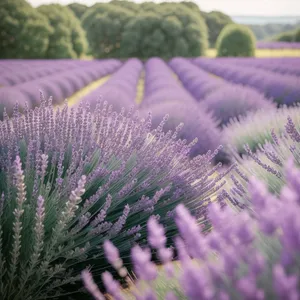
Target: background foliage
236	40
24	32
68	38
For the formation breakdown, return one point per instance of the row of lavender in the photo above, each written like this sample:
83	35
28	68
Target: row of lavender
282	89
203	102
59	80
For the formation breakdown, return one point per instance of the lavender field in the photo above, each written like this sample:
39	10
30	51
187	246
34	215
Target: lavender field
156	179
205	94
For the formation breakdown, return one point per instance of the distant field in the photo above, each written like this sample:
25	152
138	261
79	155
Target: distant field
266	53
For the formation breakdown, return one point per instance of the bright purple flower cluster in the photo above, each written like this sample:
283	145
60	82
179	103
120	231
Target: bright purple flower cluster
59	85
248	255
120	90
283	89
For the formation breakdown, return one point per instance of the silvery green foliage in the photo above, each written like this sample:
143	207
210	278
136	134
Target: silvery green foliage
70	179
251	254
255	128
266	164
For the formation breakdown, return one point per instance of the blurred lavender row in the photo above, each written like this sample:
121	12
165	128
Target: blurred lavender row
164	95
120	90
224	99
283	65
277	45
283	89
14	72
59	85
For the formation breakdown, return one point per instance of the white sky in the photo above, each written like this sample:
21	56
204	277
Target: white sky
231	7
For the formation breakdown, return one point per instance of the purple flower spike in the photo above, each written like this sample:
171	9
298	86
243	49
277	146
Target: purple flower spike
156	233
112	286
112	254
143	267
196	283
285	286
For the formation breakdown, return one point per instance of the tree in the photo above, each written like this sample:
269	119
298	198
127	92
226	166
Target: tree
132	6
104	24
194	28
24	32
236	40
78	9
215	21
297	36
288	36
68	39
148	35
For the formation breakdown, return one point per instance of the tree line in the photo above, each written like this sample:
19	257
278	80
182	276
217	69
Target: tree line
116	29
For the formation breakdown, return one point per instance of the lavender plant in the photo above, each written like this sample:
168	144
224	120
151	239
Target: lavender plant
267	164
235	101
72	178
255	128
253	254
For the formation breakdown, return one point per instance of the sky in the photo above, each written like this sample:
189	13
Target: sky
230	7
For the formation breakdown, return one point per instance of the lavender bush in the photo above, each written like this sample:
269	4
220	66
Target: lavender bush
198	123
255	128
248	255
72	178
120	90
283	89
234	101
267	164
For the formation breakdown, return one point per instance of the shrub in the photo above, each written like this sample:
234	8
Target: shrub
24	32
196	124
269	160
248	255
68	38
233	101
297	36
255	128
215	21
236	40
288	36
71	179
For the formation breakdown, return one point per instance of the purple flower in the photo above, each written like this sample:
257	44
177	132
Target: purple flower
196	283
233	101
143	267
285	286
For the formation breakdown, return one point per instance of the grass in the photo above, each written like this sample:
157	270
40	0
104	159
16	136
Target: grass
265	53
86	90
140	89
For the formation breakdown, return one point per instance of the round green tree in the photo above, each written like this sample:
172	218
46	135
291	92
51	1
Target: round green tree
78	9
104	24
194	30
148	35
24	32
68	39
236	40
215	21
